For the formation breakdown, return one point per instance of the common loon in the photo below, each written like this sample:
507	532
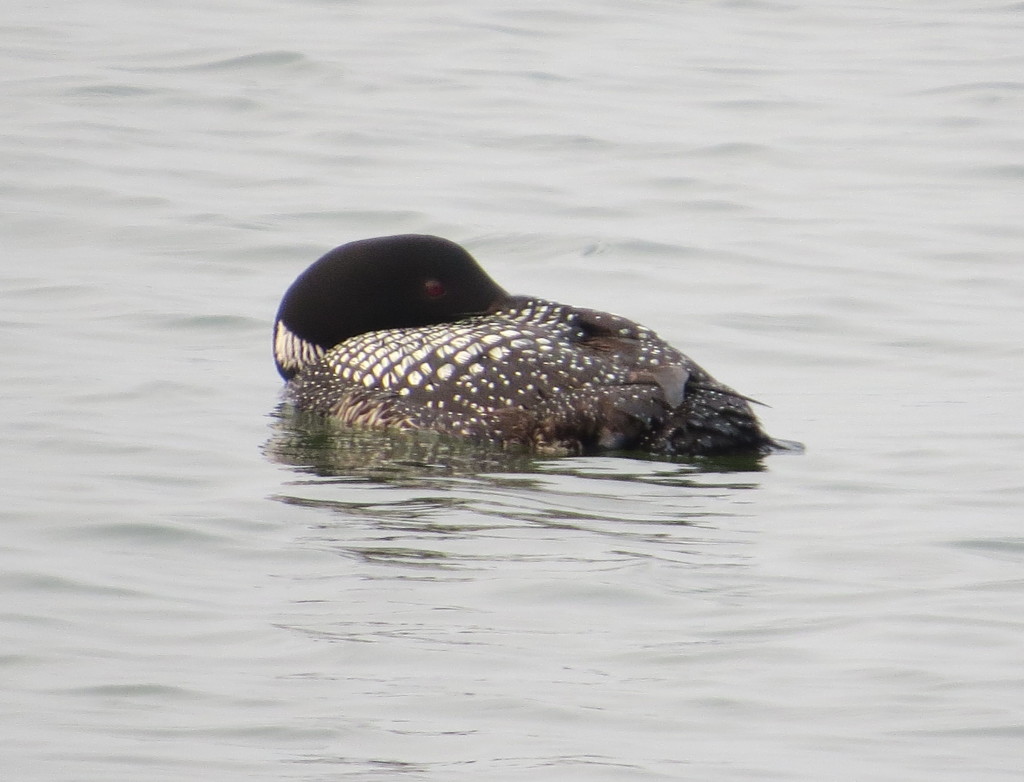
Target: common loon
409	332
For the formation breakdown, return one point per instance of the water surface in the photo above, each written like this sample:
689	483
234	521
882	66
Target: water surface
819	203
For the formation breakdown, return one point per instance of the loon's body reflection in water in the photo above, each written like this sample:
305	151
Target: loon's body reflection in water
425	500
324	448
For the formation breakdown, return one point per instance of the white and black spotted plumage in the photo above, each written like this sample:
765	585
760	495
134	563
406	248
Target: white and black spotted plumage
448	350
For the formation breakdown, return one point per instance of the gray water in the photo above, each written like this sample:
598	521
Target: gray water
820	202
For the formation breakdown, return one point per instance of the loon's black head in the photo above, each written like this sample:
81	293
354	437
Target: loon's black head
385	283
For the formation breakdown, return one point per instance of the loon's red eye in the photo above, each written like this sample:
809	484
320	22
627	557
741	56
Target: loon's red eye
434	289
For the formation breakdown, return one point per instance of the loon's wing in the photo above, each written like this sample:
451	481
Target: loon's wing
645	357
